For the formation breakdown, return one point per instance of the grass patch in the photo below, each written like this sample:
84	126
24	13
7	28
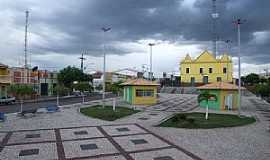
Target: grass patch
197	120
107	112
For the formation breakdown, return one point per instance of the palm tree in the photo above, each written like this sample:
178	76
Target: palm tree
21	90
206	96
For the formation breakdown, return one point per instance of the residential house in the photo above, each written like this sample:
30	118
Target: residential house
4	80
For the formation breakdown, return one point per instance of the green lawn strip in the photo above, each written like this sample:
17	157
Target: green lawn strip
197	120
107	112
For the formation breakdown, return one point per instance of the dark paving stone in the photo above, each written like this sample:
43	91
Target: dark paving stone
143	118
32	136
80	132
153	114
28	152
268	111
139	141
164	158
125	129
88	146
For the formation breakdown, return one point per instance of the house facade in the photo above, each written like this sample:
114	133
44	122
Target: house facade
5	80
227	96
206	69
140	91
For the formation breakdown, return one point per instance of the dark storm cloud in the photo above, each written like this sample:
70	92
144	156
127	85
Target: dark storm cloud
133	20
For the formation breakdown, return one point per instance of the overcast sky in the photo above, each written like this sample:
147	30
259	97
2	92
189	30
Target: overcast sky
60	30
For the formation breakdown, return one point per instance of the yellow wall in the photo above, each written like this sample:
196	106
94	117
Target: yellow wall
3	71
206	61
144	100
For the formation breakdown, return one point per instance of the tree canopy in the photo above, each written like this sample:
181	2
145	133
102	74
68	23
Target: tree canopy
21	90
83	86
206	96
68	75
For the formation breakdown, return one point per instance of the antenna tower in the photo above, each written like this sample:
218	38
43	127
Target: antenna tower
215	16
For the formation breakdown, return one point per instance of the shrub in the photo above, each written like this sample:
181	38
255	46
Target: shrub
175	119
190	120
182	117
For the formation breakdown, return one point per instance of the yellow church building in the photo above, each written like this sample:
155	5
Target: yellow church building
206	69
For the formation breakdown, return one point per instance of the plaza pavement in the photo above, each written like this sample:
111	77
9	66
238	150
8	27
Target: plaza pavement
70	135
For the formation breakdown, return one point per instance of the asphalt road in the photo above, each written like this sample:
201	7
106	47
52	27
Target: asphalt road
62	101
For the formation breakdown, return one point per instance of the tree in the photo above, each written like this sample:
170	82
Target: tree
99	87
20	91
206	96
251	79
60	90
70	74
116	87
263	90
83	86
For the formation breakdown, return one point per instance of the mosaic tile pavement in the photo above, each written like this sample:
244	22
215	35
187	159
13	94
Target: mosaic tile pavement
107	142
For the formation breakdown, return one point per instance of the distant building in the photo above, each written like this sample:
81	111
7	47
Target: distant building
47	81
206	69
20	75
5	80
43	81
113	77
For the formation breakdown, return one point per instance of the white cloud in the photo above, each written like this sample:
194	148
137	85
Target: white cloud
260	37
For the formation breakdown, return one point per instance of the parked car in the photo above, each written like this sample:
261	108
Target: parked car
7	100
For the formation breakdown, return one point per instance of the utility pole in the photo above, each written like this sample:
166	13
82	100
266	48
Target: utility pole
25	48
104	65
215	16
82	59
151	73
238	22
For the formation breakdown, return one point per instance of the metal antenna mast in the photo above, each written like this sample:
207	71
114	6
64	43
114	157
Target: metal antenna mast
25	46
214	19
25	38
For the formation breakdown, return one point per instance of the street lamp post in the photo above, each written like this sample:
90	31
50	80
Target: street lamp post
238	22
104	65
228	52
151	74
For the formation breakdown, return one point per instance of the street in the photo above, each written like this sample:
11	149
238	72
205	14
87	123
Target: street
62	101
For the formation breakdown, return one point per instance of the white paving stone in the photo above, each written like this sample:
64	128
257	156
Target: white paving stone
173	153
47	151
242	143
91	133
73	149
2	136
152	142
109	158
20	137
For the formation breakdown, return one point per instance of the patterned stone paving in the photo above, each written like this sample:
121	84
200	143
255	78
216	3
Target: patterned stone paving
176	104
107	142
262	108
